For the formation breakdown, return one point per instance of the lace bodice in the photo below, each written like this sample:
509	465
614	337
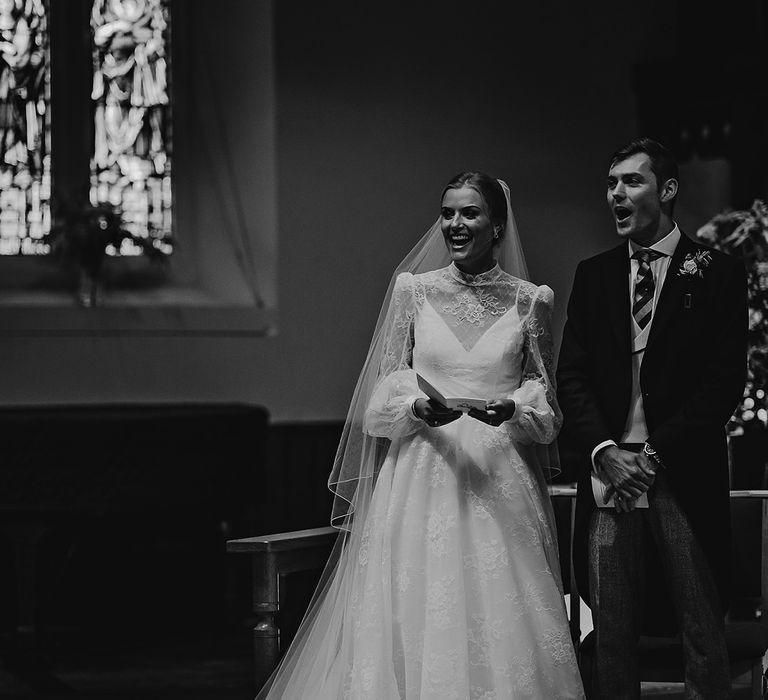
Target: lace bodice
485	335
488	369
468	338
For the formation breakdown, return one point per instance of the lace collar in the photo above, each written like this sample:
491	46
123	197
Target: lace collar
474	280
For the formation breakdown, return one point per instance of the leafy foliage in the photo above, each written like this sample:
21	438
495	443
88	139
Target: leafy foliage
87	233
744	234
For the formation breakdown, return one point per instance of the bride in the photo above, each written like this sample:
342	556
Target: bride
444	582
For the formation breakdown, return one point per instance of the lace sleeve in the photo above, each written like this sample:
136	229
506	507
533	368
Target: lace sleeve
537	416
389	412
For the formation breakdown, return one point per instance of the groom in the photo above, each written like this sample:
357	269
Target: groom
652	365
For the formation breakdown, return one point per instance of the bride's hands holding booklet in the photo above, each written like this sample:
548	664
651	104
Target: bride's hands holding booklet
439	409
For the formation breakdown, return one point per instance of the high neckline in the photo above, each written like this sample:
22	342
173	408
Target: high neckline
471	280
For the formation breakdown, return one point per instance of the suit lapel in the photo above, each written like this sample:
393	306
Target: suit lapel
616	279
670	297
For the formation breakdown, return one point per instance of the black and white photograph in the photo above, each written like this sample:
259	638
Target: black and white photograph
396	351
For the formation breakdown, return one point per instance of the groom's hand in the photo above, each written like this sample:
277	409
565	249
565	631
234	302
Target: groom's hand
629	474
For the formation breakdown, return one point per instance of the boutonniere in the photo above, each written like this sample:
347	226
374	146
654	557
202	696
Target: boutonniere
695	264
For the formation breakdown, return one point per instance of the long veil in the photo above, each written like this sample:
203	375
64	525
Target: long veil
321	646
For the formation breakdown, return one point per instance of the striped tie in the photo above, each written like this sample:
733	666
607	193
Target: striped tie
642	304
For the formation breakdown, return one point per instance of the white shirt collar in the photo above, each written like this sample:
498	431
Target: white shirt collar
666	245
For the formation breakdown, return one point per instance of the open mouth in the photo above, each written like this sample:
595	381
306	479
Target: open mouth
459	240
621	214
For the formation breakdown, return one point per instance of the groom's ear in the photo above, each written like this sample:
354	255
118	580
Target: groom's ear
669	190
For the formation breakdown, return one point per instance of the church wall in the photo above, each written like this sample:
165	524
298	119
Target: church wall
377	105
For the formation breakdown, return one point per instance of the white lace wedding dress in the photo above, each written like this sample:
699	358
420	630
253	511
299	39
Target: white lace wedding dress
455	592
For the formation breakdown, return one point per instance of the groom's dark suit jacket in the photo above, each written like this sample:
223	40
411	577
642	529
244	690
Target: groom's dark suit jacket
692	377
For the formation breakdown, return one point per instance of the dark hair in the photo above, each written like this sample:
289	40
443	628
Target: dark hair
663	163
488	188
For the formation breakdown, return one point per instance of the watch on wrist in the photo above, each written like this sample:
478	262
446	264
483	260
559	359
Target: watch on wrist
649	452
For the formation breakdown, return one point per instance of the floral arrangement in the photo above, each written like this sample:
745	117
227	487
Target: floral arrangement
745	235
695	264
86	234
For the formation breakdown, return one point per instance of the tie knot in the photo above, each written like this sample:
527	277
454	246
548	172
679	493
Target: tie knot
647	255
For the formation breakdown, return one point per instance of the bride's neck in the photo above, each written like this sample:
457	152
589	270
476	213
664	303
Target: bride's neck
476	269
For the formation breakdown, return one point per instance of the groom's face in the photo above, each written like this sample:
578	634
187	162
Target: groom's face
633	197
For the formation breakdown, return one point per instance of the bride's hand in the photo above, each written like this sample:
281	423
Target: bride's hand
496	412
433	414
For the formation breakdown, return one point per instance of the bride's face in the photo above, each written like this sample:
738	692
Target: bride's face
467	230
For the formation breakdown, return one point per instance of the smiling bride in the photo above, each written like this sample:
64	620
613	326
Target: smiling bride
445	580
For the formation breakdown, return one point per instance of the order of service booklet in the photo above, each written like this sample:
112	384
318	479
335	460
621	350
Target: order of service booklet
455	403
598	491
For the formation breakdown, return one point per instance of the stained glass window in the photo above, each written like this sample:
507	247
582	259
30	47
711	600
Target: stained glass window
25	134
131	160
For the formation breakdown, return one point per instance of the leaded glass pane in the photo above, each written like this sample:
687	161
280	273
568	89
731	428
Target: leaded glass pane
131	160
25	134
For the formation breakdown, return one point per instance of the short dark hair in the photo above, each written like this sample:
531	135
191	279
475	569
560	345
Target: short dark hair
488	188
663	163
